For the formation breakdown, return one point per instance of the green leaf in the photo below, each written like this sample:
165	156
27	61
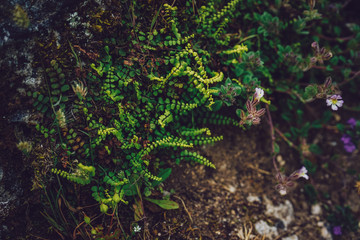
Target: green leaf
341	127
310	92
276	148
122	53
130	189
87	220
311	167
65	88
217	105
163	174
147	192
315	149
165	204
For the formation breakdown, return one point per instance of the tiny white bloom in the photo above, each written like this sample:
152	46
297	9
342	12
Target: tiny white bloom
259	93
335	102
282	192
302	173
137	229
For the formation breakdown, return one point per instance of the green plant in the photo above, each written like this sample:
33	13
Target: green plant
163	79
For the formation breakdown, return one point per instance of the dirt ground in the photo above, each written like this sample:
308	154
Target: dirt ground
226	203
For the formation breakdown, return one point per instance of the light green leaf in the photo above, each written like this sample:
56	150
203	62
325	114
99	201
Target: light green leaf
165	204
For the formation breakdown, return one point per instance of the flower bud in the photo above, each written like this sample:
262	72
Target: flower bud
328	82
315	45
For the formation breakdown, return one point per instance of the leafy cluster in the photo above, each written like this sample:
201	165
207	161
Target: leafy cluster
163	79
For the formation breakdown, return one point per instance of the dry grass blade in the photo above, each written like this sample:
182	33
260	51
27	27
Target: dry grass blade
245	233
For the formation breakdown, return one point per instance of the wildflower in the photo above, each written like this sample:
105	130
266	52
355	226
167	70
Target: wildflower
346	139
137	229
321	54
335	102
302	172
352	122
337	230
350	147
253	114
281	189
285	183
259	93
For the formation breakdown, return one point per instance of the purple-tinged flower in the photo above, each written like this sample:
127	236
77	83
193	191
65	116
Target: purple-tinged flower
337	230
259	93
253	114
352	122
346	139
335	102
303	173
349	147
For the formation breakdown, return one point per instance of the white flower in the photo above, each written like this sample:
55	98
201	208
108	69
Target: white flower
259	93
137	229
335	102
302	173
282	192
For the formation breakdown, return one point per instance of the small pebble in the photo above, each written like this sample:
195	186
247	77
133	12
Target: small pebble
316	209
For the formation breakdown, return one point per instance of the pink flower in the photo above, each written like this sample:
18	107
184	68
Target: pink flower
335	102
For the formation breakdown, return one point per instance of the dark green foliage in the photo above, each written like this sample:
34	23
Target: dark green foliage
343	216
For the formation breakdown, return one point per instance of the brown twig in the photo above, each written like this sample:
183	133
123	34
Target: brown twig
350	79
335	39
186	210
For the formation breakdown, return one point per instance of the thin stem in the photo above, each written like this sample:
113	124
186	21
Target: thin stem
335	39
350	79
291	144
272	134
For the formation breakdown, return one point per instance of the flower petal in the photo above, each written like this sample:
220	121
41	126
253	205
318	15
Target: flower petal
334	107
328	102
340	103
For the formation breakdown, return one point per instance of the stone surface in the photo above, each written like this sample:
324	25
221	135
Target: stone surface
316	209
292	237
325	233
252	198
264	229
283	212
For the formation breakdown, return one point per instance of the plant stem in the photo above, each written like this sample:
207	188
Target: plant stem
272	134
291	144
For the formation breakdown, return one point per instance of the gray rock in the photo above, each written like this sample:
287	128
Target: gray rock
283	212
325	233
316	209
264	229
252	198
292	237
